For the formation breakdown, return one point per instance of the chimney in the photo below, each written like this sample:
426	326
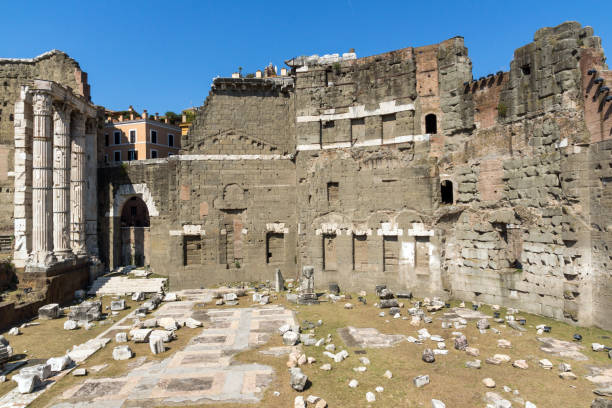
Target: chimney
165	119
156	117
121	118
131	109
145	114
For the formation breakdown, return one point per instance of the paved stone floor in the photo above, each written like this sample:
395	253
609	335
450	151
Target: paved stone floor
368	337
202	371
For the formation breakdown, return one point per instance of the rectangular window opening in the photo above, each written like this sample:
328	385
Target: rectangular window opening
192	250
360	252
330	260
388	126
117	137
275	248
154	136
332	192
421	255
390	253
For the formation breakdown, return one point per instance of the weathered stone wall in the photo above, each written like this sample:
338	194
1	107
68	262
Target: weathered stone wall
524	239
259	109
500	197
53	66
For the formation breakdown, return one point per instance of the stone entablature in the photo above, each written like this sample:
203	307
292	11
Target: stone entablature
51	211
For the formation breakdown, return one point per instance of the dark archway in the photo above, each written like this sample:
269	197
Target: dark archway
135	225
431	124
446	191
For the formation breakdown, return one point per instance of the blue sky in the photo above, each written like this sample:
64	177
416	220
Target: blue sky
162	55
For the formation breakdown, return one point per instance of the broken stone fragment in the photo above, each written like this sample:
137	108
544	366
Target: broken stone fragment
138	296
421	381
149	323
193	323
43	371
229	297
545	364
165	335
428	356
291	338
122	353
461	342
502	343
170	297
156	344
388	374
473	364
437	404
14	331
70	325
26	383
168	323
298	379
522	364
482	324
78	372
568	375
86	311
370	397
353	383
117	305
50	311
140	335
488	382
299	402
121	337
58	364
385	294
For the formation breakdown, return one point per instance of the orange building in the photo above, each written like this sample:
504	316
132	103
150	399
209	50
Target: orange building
139	137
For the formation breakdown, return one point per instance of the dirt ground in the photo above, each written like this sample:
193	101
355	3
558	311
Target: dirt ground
450	381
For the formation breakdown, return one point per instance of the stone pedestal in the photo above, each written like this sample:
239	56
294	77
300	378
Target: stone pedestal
307	293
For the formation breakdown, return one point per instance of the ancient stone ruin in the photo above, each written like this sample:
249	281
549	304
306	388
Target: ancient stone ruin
397	169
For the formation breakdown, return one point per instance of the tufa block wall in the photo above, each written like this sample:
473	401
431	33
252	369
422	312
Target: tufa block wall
397	168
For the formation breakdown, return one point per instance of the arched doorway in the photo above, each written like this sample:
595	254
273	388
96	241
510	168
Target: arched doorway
135	225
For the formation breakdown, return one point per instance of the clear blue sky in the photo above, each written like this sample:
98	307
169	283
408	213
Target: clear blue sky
162	55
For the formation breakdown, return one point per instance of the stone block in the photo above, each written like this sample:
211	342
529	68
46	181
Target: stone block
122	353
48	312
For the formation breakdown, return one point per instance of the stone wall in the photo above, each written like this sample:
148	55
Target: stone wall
397	168
53	66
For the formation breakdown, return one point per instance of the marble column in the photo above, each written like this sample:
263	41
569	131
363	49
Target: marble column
42	173
77	185
61	181
91	196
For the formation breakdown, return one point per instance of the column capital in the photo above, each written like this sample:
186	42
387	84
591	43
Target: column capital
41	102
61	112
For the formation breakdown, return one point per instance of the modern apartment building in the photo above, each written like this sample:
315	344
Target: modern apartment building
130	136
